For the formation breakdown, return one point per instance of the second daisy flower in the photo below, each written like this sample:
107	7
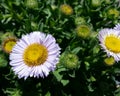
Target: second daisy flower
110	42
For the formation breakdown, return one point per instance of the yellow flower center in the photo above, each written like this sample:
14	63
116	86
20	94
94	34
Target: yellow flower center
112	43
9	44
35	54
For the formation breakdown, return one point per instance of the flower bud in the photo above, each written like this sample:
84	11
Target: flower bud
79	20
69	60
107	1
8	44
31	4
113	13
95	3
83	31
66	9
109	61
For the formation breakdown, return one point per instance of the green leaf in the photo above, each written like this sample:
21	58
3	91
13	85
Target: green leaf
48	94
64	82
76	50
57	73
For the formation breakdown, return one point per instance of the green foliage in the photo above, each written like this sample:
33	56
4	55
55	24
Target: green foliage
89	76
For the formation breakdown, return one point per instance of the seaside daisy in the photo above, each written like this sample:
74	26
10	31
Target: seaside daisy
110	42
35	55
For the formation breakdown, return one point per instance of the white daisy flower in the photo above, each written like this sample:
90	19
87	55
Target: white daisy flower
35	55
117	27
110	42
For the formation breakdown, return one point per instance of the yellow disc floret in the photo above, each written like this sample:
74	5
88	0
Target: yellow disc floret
112	43
9	44
35	54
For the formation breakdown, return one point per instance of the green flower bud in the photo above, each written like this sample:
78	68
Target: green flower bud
79	20
66	9
69	60
113	13
83	31
95	3
31	4
109	61
107	1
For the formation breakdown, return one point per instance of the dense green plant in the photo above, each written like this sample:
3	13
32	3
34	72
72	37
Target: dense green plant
90	74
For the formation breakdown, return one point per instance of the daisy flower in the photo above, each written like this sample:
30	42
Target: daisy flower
110	42
35	55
